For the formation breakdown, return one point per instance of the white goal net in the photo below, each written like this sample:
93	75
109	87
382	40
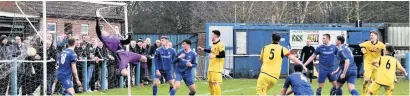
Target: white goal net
25	70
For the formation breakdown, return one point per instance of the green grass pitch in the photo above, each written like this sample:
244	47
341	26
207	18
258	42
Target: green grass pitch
241	87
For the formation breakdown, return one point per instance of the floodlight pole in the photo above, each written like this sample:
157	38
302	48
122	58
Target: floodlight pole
44	25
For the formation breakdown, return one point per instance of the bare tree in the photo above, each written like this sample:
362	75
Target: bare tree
175	17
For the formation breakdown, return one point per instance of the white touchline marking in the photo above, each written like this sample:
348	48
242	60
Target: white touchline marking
232	90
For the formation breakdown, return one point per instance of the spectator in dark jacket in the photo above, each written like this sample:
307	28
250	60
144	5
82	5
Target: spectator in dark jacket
95	69
358	58
155	46
140	47
18	46
51	66
133	46
4	77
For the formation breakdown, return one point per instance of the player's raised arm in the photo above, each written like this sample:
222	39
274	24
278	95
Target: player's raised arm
98	30
310	59
363	47
294	59
207	50
401	68
180	56
176	56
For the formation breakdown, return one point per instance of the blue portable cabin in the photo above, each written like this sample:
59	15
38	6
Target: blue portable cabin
258	35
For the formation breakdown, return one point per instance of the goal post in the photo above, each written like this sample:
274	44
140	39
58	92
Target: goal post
53	21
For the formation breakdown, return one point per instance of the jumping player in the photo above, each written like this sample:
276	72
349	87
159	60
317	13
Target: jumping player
326	53
183	69
68	69
271	56
386	72
299	83
123	57
347	68
372	49
163	61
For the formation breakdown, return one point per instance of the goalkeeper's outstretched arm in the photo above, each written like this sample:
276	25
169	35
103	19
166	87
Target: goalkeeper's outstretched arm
98	30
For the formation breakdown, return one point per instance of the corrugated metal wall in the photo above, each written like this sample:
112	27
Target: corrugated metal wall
399	36
176	39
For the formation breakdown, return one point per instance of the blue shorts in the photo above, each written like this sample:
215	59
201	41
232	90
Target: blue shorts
350	77
325	74
166	73
186	76
66	82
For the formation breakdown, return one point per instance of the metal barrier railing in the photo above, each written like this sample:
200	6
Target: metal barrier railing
85	76
14	87
199	72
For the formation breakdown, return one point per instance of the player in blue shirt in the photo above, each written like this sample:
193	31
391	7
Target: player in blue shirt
67	68
299	83
183	68
347	68
163	61
326	54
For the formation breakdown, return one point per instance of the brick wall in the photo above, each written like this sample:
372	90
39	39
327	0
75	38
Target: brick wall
202	42
7	6
76	24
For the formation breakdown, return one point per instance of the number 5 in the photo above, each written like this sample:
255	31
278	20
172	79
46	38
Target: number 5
272	54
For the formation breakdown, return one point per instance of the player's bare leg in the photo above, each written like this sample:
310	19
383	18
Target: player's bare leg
319	89
352	89
177	85
171	84
70	91
124	72
320	86
192	89
333	90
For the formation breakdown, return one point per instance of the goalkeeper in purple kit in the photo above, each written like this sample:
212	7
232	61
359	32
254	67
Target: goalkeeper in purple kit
123	57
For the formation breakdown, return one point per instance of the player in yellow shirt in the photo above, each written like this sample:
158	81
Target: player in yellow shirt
386	73
216	64
271	56
372	49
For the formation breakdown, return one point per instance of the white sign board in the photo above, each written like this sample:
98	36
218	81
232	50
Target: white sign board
298	38
241	43
226	35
